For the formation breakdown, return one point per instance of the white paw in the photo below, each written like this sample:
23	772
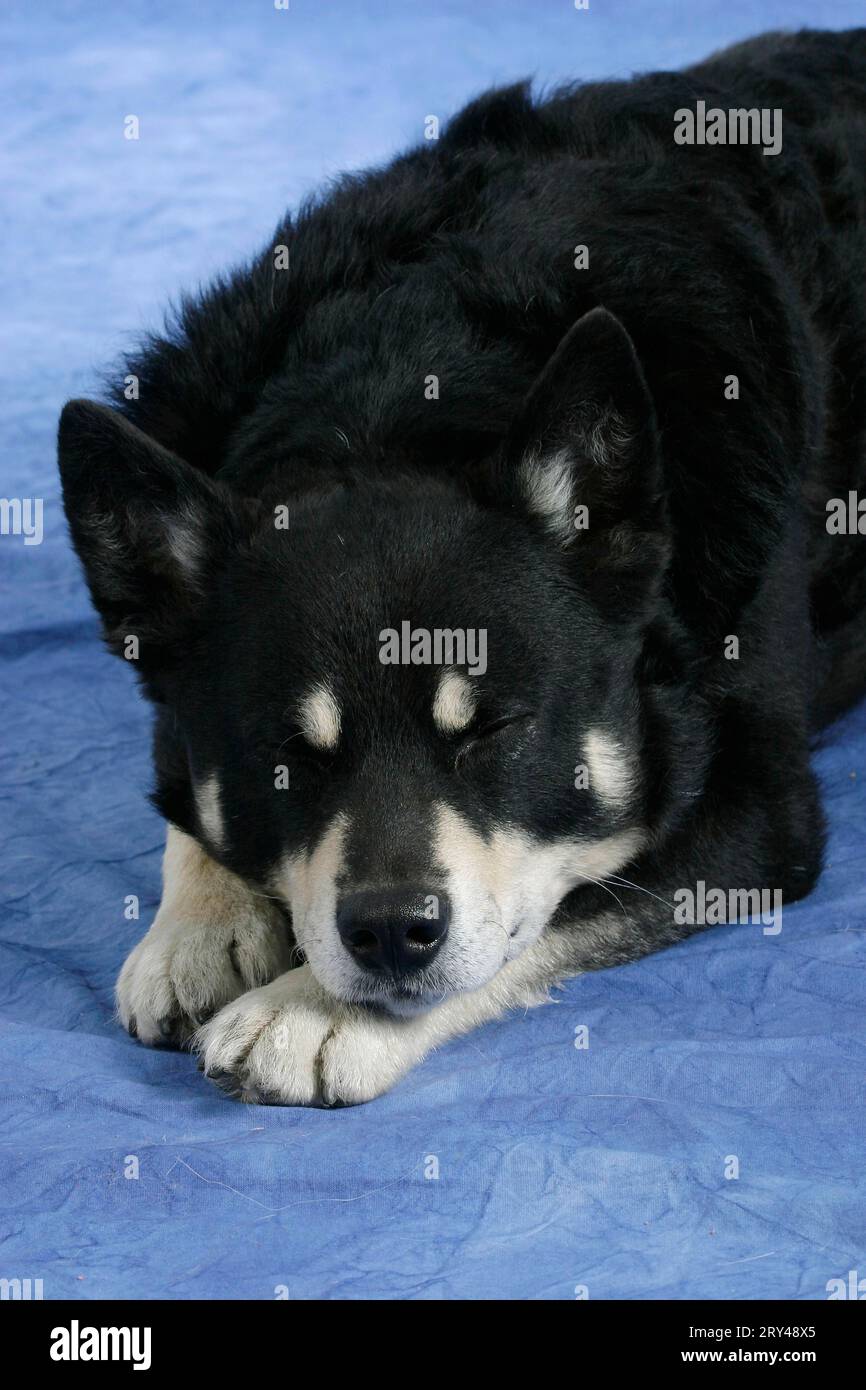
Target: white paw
190	964
289	1044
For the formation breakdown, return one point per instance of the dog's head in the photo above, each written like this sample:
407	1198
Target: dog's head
407	706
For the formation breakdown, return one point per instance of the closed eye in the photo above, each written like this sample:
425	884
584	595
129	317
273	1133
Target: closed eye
295	747
503	722
485	732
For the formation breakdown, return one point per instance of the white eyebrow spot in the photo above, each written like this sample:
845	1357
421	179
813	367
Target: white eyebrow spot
455	703
319	718
611	769
208	803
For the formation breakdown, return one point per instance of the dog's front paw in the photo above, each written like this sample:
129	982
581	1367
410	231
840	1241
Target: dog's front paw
364	1056
187	967
289	1044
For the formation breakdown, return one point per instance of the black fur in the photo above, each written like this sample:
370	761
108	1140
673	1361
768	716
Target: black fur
306	386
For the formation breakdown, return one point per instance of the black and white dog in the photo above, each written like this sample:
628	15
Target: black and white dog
489	549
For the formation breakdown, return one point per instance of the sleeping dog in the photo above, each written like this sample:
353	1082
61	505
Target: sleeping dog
489	549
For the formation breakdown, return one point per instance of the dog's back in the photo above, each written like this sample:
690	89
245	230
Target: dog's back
813	206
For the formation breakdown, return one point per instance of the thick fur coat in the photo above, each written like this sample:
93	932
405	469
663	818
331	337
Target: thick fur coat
553	311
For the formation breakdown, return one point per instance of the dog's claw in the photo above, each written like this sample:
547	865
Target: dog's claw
227	1082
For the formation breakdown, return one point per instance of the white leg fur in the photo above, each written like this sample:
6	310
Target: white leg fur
212	939
291	1044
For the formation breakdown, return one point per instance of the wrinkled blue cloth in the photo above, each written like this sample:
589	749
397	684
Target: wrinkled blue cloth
512	1164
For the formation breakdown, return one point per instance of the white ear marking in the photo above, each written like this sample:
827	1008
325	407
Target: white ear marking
454	704
184	540
547	480
208	802
611	769
546	483
319	718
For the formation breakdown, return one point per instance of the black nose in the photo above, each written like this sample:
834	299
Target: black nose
393	932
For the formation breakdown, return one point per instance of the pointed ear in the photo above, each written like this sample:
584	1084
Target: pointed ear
583	461
148	528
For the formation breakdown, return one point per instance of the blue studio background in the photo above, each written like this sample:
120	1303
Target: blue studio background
557	1167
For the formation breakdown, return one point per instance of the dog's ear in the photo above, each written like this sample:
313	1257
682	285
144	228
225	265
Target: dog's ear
148	528
582	460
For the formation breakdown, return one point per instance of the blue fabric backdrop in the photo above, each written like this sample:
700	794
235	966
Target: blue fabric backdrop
557	1167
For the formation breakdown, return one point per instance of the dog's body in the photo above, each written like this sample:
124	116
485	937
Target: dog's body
410	418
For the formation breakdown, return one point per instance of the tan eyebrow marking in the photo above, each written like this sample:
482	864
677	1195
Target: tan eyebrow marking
319	718
455	703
